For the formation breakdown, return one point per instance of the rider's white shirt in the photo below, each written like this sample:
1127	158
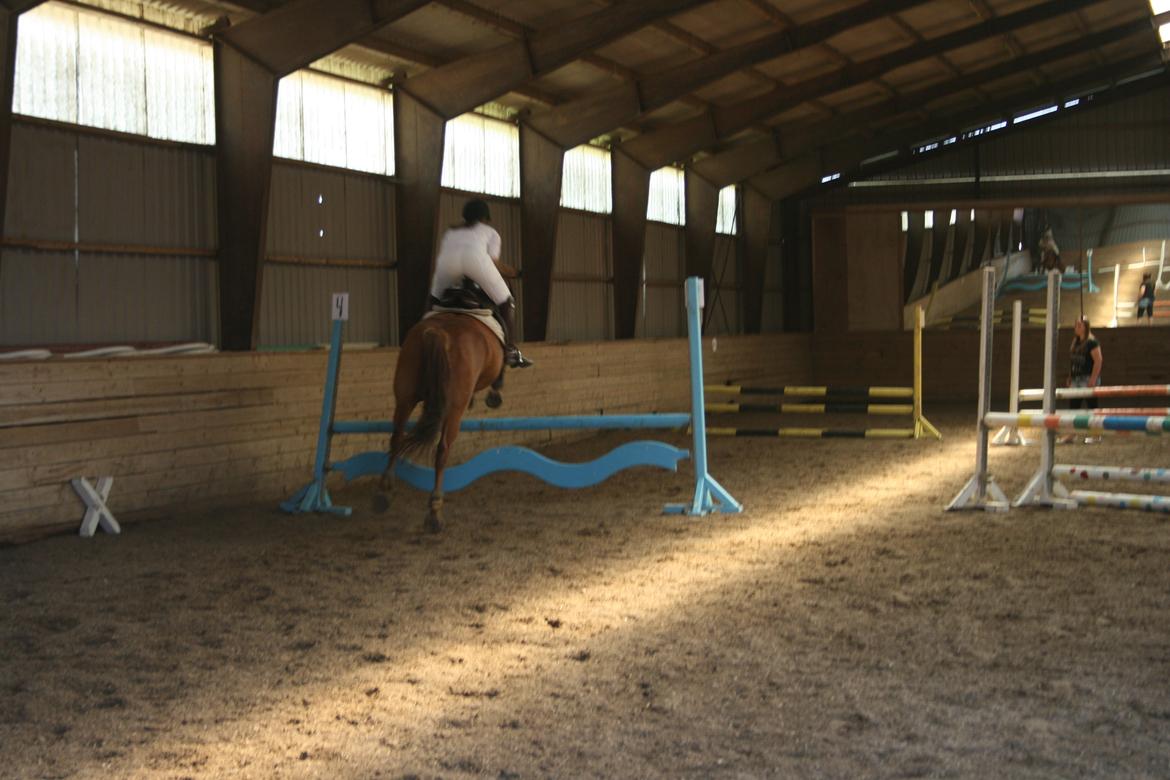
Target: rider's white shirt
469	251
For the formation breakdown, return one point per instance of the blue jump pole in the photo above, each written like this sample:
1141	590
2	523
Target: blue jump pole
601	422
709	495
314	497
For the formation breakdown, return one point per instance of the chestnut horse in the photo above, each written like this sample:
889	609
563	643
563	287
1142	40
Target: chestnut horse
446	359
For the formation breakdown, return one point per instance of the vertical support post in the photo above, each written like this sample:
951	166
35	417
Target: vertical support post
709	496
1009	435
981	492
245	124
418	145
8	25
631	191
1116	284
757	230
922	426
1042	489
315	497
541	166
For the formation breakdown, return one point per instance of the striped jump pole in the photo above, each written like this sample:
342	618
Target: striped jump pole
808	391
1148	503
980	491
1109	473
1081	421
801	408
1121	500
1109	391
1120	411
837	399
815	433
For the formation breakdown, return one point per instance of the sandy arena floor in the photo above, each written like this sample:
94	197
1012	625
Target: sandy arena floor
843	626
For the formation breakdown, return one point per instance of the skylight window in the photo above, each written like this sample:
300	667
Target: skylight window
1034	114
1161	7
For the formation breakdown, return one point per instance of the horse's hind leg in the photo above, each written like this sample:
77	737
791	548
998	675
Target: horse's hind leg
434	521
402	413
493	398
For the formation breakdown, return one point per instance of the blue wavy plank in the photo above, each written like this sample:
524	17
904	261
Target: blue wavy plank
524	460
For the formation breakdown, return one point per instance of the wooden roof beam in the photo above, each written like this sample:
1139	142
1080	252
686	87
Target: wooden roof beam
747	159
459	86
784	21
684	139
293	35
579	120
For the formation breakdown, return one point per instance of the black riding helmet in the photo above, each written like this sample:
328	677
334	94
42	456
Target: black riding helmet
476	211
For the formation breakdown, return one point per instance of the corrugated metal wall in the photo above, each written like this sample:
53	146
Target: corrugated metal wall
295	304
581	300
723	316
662	309
130	198
328	231
1131	135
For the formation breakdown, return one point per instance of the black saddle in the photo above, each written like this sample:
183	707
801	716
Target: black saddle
468	295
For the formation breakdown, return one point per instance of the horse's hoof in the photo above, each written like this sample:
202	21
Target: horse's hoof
433	524
493	399
380	503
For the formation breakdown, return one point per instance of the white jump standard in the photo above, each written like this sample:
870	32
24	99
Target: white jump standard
1044	488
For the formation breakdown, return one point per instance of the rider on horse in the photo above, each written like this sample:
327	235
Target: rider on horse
471	251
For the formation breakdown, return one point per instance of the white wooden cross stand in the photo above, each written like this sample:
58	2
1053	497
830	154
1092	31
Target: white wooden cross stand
96	512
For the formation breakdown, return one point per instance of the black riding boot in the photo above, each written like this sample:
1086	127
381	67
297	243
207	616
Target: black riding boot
512	356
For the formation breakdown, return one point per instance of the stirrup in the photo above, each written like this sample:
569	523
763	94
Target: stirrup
514	359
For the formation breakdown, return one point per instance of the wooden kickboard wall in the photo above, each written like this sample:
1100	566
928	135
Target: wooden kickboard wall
206	431
950	360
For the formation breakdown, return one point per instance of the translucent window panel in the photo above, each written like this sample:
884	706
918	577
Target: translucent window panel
481	154
290	133
323	119
111	74
90	68
180	88
369	123
725	218
587	180
332	121
667	199
46	63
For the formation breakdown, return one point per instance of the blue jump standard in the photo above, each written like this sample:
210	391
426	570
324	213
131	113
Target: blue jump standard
709	495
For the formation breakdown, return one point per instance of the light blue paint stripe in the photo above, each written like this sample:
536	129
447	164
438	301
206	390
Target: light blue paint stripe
568	422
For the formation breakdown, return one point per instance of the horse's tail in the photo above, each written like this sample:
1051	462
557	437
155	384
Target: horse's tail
434	377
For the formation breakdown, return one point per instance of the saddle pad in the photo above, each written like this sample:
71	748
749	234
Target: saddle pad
483	315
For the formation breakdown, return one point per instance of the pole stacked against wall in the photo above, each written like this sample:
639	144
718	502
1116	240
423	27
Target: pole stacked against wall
867	400
709	496
1044	488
